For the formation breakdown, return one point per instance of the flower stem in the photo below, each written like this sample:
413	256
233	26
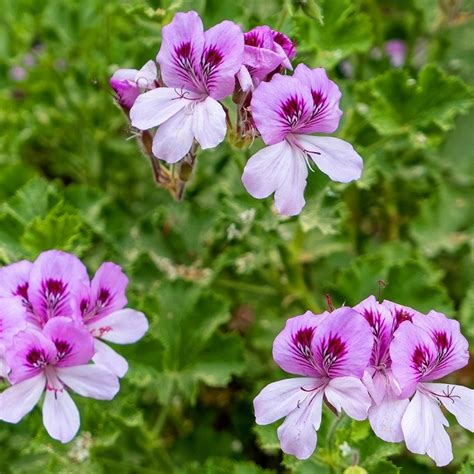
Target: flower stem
294	270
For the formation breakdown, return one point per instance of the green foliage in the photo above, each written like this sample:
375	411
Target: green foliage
218	273
394	103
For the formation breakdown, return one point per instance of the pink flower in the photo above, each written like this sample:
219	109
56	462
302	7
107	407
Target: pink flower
51	362
129	83
266	51
286	110
54	280
331	352
12	321
198	69
396	51
428	348
101	307
388	405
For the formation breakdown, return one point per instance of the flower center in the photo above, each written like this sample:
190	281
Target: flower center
36	358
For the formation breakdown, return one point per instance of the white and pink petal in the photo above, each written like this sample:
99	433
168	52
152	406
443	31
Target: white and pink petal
297	434
280	106
326	113
209	123
386	418
278	399
292	347
125	326
181	52
333	156
55	279
74	343
90	381
221	59
19	399
112	361
457	399
348	394
155	107
174	138
60	415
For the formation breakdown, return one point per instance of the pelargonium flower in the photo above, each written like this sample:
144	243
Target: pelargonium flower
424	350
129	83
198	70
396	51
286	110
388	405
47	287
101	309
266	51
331	352
52	361
12	321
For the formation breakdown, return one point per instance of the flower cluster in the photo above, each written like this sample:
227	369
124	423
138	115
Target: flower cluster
181	103
376	360
53	324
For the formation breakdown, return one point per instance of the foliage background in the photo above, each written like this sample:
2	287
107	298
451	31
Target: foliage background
219	273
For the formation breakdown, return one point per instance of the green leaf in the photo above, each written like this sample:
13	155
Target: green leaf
267	437
346	30
467	468
385	467
60	229
226	466
442	224
410	280
193	350
466	314
32	200
394	103
355	470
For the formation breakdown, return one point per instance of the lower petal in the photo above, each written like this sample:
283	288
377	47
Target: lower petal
458	400
418	423
333	156
440	449
209	125
376	385
297	434
106	357
122	327
19	399
280	398
174	138
60	415
349	394
289	197
386	418
266	170
90	381
156	106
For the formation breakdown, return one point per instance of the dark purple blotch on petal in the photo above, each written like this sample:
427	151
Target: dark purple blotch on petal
333	349
63	348
292	110
421	359
36	358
